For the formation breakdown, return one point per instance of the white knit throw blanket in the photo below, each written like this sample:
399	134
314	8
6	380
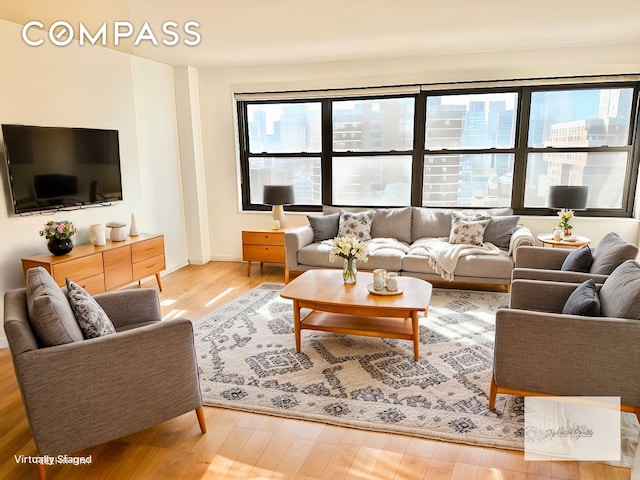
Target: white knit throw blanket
443	256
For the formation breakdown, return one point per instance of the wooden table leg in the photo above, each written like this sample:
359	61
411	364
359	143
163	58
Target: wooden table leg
249	268
416	335
159	281
296	323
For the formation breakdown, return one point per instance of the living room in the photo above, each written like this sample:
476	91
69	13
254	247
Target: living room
178	125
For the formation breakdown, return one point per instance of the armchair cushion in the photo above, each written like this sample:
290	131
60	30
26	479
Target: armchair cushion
50	314
325	227
620	293
611	252
92	319
583	301
579	260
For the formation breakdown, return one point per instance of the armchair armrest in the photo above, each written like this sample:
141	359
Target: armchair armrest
539	295
567	354
521	237
555	275
84	393
541	257
128	307
294	240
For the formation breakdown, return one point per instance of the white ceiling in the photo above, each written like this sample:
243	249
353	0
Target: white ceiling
270	32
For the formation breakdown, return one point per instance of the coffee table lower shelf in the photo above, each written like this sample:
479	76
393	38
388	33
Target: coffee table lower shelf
380	327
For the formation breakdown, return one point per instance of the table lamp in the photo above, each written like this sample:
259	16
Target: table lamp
278	196
568	197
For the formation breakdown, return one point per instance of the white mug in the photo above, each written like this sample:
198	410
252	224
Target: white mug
379	275
392	281
97	235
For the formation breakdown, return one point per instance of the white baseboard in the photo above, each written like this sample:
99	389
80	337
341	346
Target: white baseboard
3	342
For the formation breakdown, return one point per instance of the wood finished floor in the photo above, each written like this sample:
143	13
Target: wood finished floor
249	446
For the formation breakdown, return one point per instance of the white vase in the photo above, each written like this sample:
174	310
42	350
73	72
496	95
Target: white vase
133	231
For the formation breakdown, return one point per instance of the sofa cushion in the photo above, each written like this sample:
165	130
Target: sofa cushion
392	223
325	227
611	252
500	229
579	260
620	293
356	225
92	319
430	222
467	231
583	301
50	314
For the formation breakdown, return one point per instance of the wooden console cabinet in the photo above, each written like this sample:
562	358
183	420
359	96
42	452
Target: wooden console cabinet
99	269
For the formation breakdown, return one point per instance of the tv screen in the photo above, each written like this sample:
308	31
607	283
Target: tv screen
52	168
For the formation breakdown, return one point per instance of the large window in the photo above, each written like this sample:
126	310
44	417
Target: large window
471	147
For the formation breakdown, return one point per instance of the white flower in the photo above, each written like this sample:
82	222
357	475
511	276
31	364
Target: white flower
349	248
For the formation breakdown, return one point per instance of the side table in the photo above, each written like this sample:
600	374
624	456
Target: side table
263	246
547	239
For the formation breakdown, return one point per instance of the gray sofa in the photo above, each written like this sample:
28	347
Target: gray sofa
308	247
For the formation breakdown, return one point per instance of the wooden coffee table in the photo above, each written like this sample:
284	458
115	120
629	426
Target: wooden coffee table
352	310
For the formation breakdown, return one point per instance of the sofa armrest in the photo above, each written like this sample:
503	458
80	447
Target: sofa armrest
567	354
128	307
521	237
294	240
540	295
84	393
541	257
555	275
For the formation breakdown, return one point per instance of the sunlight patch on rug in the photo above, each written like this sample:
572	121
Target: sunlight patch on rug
247	359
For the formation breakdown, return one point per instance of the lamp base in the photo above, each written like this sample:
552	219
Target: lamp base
278	217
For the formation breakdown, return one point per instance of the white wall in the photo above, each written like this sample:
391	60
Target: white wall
98	88
217	87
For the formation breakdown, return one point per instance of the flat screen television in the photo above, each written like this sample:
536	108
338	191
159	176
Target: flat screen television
53	168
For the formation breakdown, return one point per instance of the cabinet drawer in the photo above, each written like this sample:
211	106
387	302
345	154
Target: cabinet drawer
78	269
117	267
263	253
148	266
147	249
263	238
93	285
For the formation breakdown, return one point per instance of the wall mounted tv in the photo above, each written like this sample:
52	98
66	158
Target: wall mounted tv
53	168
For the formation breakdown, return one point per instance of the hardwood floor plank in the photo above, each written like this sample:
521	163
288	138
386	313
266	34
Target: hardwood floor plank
242	445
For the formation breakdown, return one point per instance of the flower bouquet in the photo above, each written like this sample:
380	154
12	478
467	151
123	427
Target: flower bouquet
565	221
59	236
351	249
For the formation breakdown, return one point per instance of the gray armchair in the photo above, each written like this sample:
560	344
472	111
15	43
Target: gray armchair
540	263
86	392
540	350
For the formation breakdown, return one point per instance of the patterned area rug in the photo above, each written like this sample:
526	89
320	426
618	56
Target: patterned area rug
246	352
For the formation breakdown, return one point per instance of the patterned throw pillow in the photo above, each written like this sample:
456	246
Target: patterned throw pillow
468	231
356	225
92	319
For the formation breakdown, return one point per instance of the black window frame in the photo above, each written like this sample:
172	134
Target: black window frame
419	150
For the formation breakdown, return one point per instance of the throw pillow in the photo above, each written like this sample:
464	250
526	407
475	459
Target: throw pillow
467	231
50	314
325	227
611	252
583	301
356	225
620	293
500	229
92	319
579	260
